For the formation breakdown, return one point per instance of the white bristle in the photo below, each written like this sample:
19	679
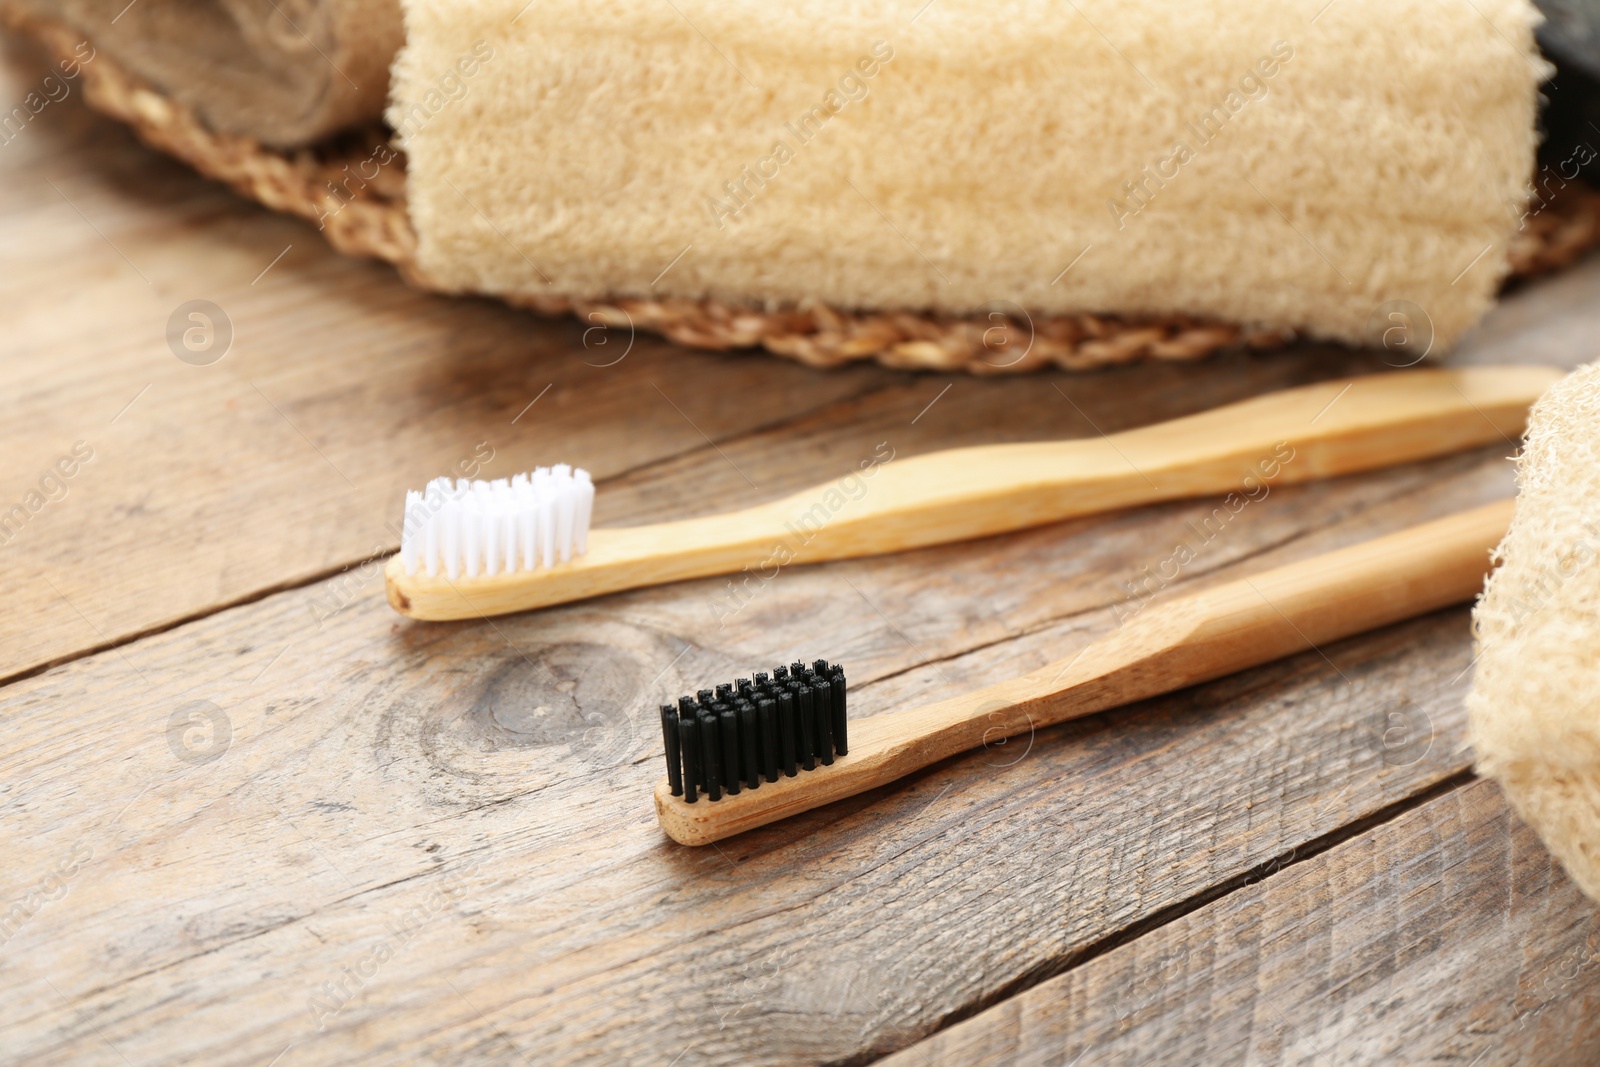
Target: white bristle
488	527
410	531
471	536
450	521
483	529
505	539
527	529
544	515
562	476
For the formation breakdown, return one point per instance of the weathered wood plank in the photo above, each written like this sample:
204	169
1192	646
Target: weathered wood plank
1446	936
479	779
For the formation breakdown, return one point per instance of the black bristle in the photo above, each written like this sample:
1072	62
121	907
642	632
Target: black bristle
750	736
745	729
767	709
786	732
841	721
822	697
669	738
689	744
711	746
730	748
728	738
805	711
708	726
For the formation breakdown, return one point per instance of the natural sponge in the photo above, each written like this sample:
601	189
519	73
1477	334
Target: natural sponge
1293	166
1534	710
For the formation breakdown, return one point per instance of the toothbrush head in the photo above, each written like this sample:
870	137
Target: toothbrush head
742	733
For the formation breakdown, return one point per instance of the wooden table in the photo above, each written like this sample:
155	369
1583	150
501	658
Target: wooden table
251	816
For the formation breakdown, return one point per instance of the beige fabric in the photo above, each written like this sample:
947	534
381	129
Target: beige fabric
284	72
1214	158
1535	704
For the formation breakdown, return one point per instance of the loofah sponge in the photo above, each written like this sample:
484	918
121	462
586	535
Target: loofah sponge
1254	163
1534	710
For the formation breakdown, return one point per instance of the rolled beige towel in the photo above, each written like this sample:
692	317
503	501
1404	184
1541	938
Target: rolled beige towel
1534	709
284	72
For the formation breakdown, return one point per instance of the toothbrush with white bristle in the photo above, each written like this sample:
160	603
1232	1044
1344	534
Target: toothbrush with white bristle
488	548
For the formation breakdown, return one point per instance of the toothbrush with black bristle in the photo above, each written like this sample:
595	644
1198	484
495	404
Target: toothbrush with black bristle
743	745
722	740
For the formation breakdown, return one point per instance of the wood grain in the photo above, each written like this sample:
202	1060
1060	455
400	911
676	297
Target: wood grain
1446	936
486	786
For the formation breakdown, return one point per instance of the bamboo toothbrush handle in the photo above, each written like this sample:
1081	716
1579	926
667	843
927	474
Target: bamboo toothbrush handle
1190	640
1316	431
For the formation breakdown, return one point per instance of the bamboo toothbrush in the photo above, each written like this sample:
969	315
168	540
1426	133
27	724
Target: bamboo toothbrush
719	741
471	549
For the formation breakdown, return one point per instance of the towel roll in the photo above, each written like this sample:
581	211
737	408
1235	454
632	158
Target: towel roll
1534	709
285	73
